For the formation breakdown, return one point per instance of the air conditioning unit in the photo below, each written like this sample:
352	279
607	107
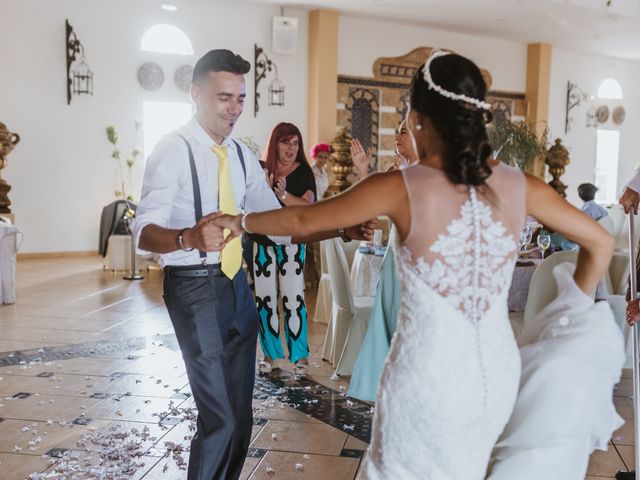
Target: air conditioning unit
285	35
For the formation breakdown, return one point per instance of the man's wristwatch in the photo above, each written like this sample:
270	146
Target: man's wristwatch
343	235
180	241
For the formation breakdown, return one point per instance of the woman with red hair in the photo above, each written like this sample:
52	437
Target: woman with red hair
278	269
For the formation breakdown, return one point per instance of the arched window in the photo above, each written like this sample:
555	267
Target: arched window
165	38
611	89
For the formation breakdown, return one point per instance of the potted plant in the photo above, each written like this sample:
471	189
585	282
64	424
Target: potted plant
123	182
517	144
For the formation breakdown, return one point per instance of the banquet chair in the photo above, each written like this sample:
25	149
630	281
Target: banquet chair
622	230
543	288
617	215
619	220
350	249
322	312
618	273
349	315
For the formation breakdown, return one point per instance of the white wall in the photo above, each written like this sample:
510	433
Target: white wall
363	40
61	172
588	71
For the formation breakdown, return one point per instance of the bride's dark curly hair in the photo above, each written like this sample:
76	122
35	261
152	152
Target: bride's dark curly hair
461	125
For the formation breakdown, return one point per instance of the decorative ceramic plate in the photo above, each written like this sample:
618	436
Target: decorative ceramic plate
150	76
183	76
602	113
618	115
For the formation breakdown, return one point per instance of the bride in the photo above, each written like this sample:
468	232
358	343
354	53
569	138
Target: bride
450	381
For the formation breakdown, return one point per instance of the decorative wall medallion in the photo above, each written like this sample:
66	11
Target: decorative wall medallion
183	76
602	114
618	115
150	76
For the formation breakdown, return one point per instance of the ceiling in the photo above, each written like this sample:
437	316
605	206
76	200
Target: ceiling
583	25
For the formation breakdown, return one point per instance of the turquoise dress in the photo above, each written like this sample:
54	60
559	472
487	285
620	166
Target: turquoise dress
382	324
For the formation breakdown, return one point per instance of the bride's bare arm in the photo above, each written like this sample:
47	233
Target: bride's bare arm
596	245
379	194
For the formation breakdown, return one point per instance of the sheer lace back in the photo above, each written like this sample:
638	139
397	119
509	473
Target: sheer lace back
463	240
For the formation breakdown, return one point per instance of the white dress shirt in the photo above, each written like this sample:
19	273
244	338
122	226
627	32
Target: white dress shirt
634	183
167	190
594	210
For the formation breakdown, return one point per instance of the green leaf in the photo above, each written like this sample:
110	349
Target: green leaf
517	143
112	135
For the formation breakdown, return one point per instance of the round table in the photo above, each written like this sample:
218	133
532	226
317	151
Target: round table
364	274
519	290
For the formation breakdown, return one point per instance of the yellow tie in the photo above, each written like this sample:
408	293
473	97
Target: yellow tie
231	255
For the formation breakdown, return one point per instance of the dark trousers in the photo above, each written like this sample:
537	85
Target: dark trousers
216	323
247	253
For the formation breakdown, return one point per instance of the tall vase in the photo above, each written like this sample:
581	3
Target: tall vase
8	140
557	159
341	163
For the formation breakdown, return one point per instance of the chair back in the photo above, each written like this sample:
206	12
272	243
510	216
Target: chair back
350	249
619	273
339	274
324	269
609	225
543	288
617	216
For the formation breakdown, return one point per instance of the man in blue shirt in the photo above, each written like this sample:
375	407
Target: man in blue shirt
587	193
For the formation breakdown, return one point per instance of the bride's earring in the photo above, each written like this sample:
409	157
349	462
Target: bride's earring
418	127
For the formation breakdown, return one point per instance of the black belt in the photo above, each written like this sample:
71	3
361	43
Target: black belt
193	270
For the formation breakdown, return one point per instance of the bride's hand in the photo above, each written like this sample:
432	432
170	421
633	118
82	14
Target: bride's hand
633	312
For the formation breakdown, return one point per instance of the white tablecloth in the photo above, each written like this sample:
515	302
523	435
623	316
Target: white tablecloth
364	274
8	248
519	291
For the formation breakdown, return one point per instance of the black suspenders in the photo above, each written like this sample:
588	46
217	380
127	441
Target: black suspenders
197	198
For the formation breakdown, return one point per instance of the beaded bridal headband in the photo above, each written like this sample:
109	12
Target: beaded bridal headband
446	93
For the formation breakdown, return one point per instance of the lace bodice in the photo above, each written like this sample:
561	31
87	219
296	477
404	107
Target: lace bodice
467	254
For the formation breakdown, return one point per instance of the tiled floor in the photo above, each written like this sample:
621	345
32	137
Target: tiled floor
90	373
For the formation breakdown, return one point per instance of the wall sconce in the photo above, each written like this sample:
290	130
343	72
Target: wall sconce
276	89
79	75
575	97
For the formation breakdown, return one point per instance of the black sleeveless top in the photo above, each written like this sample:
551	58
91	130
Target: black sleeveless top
299	181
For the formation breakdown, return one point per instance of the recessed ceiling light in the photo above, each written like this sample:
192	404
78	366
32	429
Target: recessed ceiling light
169	7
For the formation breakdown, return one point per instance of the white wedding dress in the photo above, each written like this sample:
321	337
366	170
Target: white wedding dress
572	356
451	377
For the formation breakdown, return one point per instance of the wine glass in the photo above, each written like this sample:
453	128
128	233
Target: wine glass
529	234
544	241
525	237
